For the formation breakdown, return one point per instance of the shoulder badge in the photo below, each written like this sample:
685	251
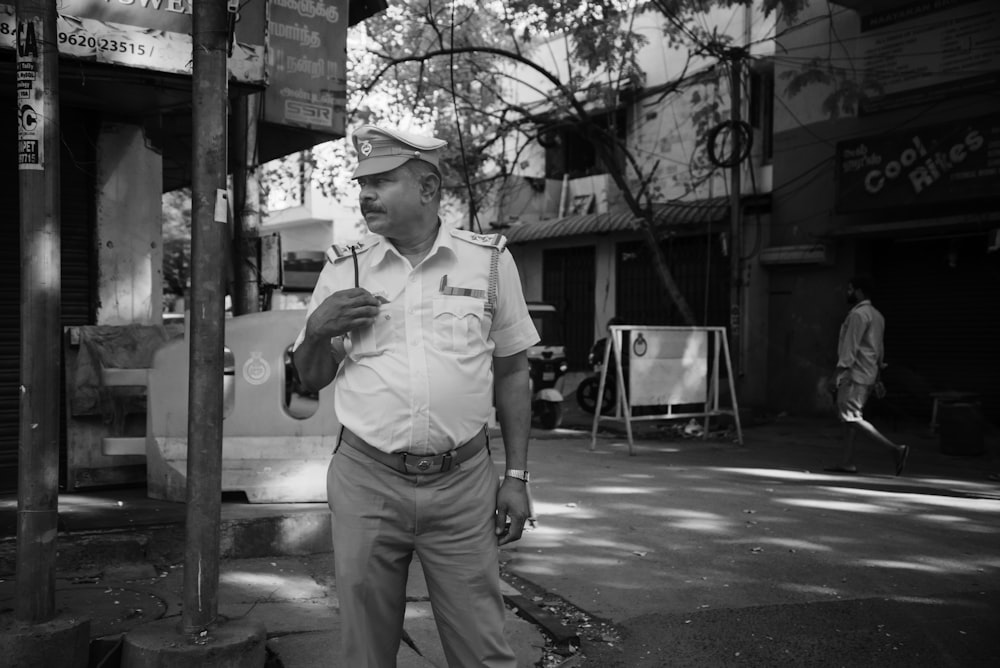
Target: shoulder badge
497	240
338	252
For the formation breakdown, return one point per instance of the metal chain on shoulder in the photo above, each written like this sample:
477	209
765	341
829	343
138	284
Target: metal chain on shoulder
491	295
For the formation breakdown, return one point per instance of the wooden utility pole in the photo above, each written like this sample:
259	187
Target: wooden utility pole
209	237
41	305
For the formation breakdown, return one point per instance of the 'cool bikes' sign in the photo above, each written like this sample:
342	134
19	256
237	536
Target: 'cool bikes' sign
934	164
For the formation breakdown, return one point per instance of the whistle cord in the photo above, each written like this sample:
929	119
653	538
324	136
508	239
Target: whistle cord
354	254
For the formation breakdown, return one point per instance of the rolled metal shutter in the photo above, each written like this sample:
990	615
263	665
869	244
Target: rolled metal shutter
939	298
77	266
568	284
10	303
698	267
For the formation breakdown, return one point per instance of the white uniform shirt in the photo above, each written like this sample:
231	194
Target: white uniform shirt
421	378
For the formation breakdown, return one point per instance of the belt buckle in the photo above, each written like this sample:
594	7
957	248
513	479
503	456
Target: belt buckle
416	465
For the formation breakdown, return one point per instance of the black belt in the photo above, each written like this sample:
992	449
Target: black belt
407	462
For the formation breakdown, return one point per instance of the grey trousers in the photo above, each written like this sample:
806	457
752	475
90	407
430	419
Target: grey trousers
380	518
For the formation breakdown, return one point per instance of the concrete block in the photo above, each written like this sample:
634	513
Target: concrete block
162	644
63	641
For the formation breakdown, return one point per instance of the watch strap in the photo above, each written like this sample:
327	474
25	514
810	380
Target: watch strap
517	474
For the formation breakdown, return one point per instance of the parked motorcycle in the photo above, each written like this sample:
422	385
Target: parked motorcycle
586	391
547	364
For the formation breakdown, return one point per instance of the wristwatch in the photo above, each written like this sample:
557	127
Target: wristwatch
517	474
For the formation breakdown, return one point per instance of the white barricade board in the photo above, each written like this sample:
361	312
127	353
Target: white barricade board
667	367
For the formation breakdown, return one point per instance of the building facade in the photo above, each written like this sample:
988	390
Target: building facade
581	247
889	160
876	150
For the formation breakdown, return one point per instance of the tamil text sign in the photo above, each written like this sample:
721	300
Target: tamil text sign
307	86
930	49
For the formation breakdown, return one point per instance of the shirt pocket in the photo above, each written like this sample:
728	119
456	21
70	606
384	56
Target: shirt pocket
458	324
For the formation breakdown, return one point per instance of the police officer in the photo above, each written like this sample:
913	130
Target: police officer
420	326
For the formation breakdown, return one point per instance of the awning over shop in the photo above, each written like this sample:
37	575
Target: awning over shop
666	217
939	226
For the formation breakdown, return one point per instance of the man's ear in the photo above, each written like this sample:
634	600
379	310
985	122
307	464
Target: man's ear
430	186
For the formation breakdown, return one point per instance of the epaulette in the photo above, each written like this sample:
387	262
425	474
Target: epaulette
497	240
338	252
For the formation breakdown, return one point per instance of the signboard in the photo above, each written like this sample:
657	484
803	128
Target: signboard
668	367
148	34
930	49
939	163
307	85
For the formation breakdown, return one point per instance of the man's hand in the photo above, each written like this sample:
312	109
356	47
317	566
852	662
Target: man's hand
342	312
512	505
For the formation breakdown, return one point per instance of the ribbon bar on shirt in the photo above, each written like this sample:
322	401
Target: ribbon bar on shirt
460	292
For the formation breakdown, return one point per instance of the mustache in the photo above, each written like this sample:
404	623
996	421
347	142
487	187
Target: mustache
365	210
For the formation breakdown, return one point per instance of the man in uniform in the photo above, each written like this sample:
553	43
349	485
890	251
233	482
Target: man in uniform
860	352
421	326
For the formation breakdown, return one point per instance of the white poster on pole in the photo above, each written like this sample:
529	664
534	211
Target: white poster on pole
667	367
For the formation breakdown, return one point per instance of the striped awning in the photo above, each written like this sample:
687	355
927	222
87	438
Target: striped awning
665	217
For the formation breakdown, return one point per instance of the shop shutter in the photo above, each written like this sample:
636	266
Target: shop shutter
10	306
698	267
939	299
568	284
77	267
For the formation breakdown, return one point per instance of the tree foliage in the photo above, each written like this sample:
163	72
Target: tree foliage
446	68
176	220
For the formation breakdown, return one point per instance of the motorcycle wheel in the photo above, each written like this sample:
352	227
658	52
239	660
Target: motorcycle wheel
586	396
550	414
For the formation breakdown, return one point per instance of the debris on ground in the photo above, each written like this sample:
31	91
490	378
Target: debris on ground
566	627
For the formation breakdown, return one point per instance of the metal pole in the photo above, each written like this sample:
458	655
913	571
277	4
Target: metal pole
246	205
209	215
735	217
41	305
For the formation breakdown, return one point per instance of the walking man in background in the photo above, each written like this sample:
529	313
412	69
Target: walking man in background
860	353
420	326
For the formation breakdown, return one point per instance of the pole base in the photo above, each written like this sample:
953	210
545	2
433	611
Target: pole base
62	641
228	644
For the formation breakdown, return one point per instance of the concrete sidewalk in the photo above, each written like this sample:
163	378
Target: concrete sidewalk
293	596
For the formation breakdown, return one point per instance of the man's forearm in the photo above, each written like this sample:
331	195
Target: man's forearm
513	402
